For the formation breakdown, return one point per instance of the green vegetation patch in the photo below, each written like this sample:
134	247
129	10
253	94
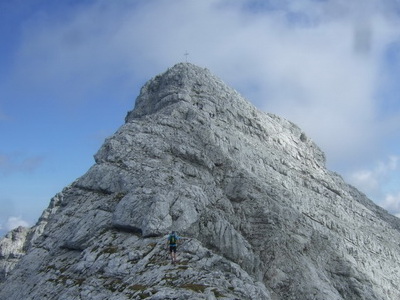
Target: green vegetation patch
218	294
115	285
49	268
199	288
141	289
144	295
108	250
119	196
63	279
137	287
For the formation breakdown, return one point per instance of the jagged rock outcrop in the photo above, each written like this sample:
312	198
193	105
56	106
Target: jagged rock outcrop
11	250
262	216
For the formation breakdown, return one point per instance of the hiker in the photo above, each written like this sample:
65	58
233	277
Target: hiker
172	241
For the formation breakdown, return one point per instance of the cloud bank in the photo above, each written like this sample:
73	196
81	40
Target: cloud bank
381	182
15	222
11	224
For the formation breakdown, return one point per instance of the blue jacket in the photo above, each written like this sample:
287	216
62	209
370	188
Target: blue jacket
176	239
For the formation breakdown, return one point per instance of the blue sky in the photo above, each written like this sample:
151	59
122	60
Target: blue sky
70	71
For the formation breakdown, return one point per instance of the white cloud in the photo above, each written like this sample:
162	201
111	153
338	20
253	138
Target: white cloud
14	222
366	180
392	203
372	178
381	183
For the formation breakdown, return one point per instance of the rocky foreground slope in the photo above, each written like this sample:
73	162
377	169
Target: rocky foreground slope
262	216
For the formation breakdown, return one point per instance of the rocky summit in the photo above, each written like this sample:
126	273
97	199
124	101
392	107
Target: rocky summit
259	214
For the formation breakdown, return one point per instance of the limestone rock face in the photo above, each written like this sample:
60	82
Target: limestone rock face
11	250
261	216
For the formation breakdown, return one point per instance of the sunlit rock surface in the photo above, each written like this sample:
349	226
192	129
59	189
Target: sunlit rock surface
261	215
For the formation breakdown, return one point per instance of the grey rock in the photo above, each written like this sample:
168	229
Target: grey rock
261	215
11	250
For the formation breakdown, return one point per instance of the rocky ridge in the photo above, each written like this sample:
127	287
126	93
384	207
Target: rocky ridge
262	216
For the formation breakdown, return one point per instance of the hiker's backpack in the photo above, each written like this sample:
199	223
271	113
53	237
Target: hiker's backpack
172	239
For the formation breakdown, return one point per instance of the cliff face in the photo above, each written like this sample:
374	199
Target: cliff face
261	215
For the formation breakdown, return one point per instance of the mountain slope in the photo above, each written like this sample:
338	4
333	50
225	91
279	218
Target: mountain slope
262	216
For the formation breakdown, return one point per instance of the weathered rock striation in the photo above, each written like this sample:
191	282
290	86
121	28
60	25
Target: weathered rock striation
262	216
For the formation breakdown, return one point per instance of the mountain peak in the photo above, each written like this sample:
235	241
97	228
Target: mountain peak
184	82
191	93
261	216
